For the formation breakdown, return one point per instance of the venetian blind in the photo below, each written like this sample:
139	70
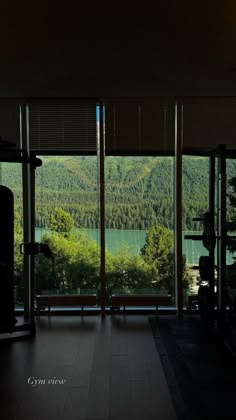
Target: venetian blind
207	123
142	126
62	126
10	120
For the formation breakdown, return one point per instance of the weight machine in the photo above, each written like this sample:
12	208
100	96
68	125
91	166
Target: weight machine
214	237
29	162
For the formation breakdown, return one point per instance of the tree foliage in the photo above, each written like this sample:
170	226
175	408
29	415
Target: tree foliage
231	225
76	264
61	222
139	190
18	257
139	195
158	252
127	273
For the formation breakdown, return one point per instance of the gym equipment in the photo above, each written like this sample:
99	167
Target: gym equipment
208	236
211	240
7	313
205	268
9	153
37	248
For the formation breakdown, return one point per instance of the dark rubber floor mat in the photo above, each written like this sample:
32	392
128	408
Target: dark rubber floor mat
200	372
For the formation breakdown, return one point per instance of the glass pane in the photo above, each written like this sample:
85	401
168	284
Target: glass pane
195	202
231	221
67	219
139	226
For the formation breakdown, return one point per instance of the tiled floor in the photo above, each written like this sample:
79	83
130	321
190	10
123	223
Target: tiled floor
111	368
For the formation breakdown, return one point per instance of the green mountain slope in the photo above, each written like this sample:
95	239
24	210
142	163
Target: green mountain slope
139	190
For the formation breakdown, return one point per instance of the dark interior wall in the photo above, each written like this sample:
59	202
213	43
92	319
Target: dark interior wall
176	48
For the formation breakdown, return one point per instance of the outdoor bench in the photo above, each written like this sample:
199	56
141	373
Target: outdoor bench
140	300
43	301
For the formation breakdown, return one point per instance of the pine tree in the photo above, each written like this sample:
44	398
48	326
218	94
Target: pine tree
61	222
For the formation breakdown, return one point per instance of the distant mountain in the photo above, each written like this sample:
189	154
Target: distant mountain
139	190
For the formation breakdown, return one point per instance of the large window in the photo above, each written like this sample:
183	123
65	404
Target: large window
137	137
139	225
195	202
139	196
67	219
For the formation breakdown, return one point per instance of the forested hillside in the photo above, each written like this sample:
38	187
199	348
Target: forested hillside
139	190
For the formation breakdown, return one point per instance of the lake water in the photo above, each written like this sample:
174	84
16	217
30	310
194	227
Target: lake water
135	239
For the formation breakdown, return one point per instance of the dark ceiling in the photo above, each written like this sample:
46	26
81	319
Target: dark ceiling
173	49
